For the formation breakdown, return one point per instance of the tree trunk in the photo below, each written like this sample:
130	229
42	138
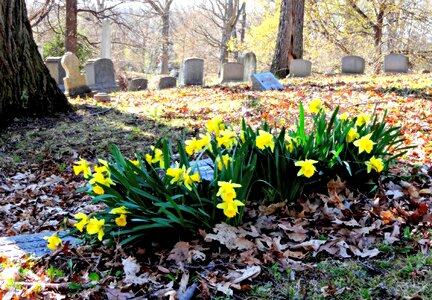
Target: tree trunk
71	26
378	33
165	41
26	87
289	43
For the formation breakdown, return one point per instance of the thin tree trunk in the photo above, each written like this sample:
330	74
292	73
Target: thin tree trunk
71	26
26	87
378	32
166	39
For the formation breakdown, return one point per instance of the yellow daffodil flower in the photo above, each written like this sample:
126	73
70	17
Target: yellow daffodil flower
265	140
227	138
362	119
230	208
101	179
215	125
135	163
226	190
289	143
83	221
375	163
344	116
122	210
95	226
352	135
53	241
242	136
315	106
224	162
365	144
82	166
188	180
121	220
176	174
307	167
156	158
192	146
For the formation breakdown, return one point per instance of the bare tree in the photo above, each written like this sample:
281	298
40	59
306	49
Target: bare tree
289	43
162	9
71	37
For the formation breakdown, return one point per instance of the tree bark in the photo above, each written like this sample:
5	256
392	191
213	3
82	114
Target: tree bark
166	39
289	43
71	26
26	87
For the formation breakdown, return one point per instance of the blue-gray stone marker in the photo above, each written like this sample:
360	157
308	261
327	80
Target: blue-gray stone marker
265	82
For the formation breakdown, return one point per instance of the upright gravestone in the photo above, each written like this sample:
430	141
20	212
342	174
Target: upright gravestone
249	62
232	72
353	65
163	82
265	82
56	70
300	68
137	84
396	63
101	75
75	83
192	72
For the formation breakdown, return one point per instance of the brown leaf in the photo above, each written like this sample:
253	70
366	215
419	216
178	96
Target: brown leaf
180	253
229	237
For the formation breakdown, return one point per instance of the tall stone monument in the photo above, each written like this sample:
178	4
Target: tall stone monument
106	39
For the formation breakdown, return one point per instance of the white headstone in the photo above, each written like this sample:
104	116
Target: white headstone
106	39
396	63
265	82
300	68
249	62
353	65
232	72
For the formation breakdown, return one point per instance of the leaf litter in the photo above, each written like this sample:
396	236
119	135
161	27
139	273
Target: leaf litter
37	192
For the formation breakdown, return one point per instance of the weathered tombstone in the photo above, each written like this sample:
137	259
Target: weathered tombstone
102	97
75	83
137	84
265	82
192	72
249	62
163	82
300	68
395	63
232	72
101	75
56	69
353	65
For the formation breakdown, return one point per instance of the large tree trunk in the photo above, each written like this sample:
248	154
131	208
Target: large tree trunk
71	26
289	43
26	87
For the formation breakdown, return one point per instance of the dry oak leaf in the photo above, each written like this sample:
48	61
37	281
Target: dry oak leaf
309	245
230	237
131	268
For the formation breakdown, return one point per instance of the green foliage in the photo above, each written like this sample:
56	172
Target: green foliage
163	191
55	47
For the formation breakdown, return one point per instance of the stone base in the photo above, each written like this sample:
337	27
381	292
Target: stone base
105	87
81	91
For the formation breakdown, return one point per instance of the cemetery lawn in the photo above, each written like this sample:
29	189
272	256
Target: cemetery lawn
38	193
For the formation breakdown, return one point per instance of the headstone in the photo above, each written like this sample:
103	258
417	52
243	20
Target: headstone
300	68
102	97
163	82
101	75
106	39
249	62
192	72
395	63
232	72
56	69
75	83
265	82
425	71
29	244
137	84
353	65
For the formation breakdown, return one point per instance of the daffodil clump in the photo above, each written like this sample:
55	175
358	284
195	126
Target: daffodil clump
164	190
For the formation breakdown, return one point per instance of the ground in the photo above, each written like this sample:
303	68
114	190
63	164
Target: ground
381	250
